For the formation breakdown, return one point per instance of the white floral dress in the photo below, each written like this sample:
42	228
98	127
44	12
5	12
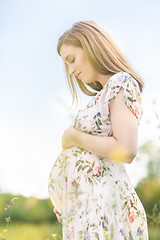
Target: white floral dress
94	194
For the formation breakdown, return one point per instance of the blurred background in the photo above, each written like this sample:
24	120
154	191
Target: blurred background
35	103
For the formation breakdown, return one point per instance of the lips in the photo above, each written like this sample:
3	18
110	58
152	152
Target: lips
77	75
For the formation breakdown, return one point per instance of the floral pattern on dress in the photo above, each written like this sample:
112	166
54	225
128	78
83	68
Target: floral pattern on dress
93	194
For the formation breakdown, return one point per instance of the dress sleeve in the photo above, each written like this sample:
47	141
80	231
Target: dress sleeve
131	94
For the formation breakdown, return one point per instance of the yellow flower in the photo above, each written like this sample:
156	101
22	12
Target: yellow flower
106	234
4	230
54	234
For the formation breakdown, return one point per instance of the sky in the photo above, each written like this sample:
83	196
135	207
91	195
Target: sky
35	99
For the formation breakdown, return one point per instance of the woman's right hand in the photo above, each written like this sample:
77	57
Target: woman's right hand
58	215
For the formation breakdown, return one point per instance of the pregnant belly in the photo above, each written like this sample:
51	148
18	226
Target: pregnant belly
75	160
75	171
70	166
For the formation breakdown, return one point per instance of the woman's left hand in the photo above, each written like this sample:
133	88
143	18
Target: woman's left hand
69	137
58	215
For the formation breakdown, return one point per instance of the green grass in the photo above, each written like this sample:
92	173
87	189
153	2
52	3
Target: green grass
19	231
154	233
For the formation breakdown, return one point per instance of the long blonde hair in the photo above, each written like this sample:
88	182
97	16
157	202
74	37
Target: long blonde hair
102	52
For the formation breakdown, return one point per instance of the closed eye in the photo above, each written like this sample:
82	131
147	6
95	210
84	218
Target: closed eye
73	60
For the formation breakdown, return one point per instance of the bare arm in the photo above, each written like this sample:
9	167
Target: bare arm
123	145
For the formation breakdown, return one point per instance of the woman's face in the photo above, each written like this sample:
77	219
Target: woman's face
78	63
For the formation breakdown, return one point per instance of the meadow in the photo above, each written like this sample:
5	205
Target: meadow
27	231
30	231
33	219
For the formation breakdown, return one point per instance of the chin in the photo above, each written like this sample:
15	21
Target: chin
86	82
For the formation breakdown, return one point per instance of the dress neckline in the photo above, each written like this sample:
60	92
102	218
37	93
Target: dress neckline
110	79
106	84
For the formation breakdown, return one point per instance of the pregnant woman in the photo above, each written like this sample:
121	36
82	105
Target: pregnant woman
88	185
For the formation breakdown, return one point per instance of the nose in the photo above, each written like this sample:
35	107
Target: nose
71	69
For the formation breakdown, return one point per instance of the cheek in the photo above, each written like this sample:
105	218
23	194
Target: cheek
83	63
90	72
86	68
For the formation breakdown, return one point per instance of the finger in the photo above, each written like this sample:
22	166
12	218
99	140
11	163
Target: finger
58	215
55	210
59	219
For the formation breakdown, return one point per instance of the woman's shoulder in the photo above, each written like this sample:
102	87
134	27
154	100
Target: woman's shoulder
121	76
131	94
122	79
